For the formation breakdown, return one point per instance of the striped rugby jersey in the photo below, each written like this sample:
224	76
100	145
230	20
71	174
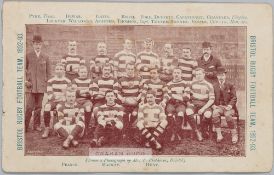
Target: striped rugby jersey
130	87
159	87
121	59
99	60
101	85
144	61
178	90
188	66
201	91
114	112
151	114
168	63
74	113
72	63
56	87
82	84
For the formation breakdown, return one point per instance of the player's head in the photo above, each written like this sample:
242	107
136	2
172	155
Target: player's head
207	48
106	70
221	74
37	43
59	70
72	47
148	44
186	53
70	95
200	74
154	73
130	69
83	71
110	97
168	49
150	97
127	44
101	48
177	74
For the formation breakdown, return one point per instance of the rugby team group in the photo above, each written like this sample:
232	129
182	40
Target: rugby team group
143	96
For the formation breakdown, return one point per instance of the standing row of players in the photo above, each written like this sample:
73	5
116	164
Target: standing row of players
153	94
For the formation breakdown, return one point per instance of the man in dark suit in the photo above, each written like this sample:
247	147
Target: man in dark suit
209	63
225	105
37	74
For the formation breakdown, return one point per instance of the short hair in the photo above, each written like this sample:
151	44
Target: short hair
72	41
101	42
131	63
82	67
70	89
60	65
107	64
109	91
199	69
149	40
151	91
127	40
186	47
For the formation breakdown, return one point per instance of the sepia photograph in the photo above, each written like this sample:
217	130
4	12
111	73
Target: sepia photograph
173	90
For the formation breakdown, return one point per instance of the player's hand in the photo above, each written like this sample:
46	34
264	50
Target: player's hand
28	84
163	104
123	100
214	106
228	107
201	111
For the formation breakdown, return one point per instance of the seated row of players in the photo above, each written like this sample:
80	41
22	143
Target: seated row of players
153	106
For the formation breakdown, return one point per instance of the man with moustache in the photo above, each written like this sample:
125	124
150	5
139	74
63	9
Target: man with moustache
72	61
37	75
209	63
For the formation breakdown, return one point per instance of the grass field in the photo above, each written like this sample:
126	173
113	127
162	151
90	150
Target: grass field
36	146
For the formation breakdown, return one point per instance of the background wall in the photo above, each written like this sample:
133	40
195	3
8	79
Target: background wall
229	44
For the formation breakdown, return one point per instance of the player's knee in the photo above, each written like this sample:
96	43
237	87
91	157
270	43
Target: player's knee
134	113
228	114
57	126
207	114
88	108
47	107
181	114
119	125
189	111
163	123
140	125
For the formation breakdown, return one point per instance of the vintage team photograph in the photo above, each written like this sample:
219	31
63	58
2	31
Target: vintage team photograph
172	89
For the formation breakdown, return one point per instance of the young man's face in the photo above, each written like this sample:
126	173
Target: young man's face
83	73
200	75
110	98
70	97
59	71
168	49
148	45
102	49
150	99
186	53
221	76
72	46
106	71
207	51
130	70
177	74
128	45
154	74
37	46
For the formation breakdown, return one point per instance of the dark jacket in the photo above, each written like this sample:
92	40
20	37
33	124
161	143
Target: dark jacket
37	72
210	66
228	93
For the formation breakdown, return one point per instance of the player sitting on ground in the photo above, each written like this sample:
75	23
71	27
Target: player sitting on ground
71	119
178	94
56	87
83	93
151	121
202	97
129	94
156	84
225	104
110	121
